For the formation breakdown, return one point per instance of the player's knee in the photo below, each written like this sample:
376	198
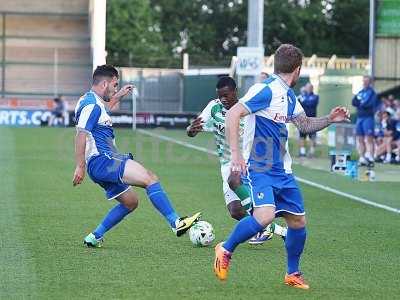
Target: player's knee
132	204
234	181
129	200
296	222
301	222
264	215
151	178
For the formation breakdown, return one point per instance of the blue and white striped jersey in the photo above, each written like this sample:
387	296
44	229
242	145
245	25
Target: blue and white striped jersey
271	104
92	117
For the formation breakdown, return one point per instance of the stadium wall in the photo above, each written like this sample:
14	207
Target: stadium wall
44	50
45	6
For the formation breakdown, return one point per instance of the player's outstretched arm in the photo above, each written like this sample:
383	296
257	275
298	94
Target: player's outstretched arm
232	123
80	147
309	124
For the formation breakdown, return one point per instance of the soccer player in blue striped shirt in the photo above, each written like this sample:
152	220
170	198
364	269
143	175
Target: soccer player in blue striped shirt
266	163
116	173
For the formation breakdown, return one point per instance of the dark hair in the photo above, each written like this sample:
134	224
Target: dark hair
104	71
226	81
287	59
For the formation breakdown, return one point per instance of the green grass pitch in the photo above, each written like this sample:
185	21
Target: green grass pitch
352	249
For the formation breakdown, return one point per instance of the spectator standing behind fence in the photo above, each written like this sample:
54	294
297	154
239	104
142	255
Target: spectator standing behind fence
366	103
309	101
58	113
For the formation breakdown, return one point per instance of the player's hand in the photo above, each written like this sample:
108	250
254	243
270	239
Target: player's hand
79	175
126	89
196	126
121	93
339	114
238	165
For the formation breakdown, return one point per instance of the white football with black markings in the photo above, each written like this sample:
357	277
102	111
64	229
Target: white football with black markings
202	234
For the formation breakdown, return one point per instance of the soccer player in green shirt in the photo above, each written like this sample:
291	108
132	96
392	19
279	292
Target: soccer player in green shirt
212	118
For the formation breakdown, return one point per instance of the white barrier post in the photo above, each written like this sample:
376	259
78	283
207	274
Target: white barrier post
134	99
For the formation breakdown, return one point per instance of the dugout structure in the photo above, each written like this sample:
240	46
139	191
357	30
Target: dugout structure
386	54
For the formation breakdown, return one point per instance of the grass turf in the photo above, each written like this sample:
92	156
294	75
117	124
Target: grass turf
317	170
351	252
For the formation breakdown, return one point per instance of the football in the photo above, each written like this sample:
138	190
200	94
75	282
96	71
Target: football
201	234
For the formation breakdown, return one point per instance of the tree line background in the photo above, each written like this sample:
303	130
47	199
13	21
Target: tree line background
155	33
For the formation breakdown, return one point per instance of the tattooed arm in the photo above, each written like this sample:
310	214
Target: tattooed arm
309	124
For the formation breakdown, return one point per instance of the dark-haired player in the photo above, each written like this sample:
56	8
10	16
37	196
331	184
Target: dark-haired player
212	118
95	151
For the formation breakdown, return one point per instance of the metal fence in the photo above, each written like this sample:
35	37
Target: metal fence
159	90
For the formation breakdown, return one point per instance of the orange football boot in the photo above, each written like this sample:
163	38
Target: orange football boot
296	280
221	262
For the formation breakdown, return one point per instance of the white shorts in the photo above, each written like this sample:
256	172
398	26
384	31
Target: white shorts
229	195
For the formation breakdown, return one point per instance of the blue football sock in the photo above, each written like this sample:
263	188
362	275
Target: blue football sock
244	229
114	216
161	202
294	243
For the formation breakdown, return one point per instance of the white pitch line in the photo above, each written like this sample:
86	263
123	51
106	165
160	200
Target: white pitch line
168	139
302	180
350	196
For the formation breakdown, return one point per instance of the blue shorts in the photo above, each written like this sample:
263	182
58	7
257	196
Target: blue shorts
278	190
107	170
365	126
